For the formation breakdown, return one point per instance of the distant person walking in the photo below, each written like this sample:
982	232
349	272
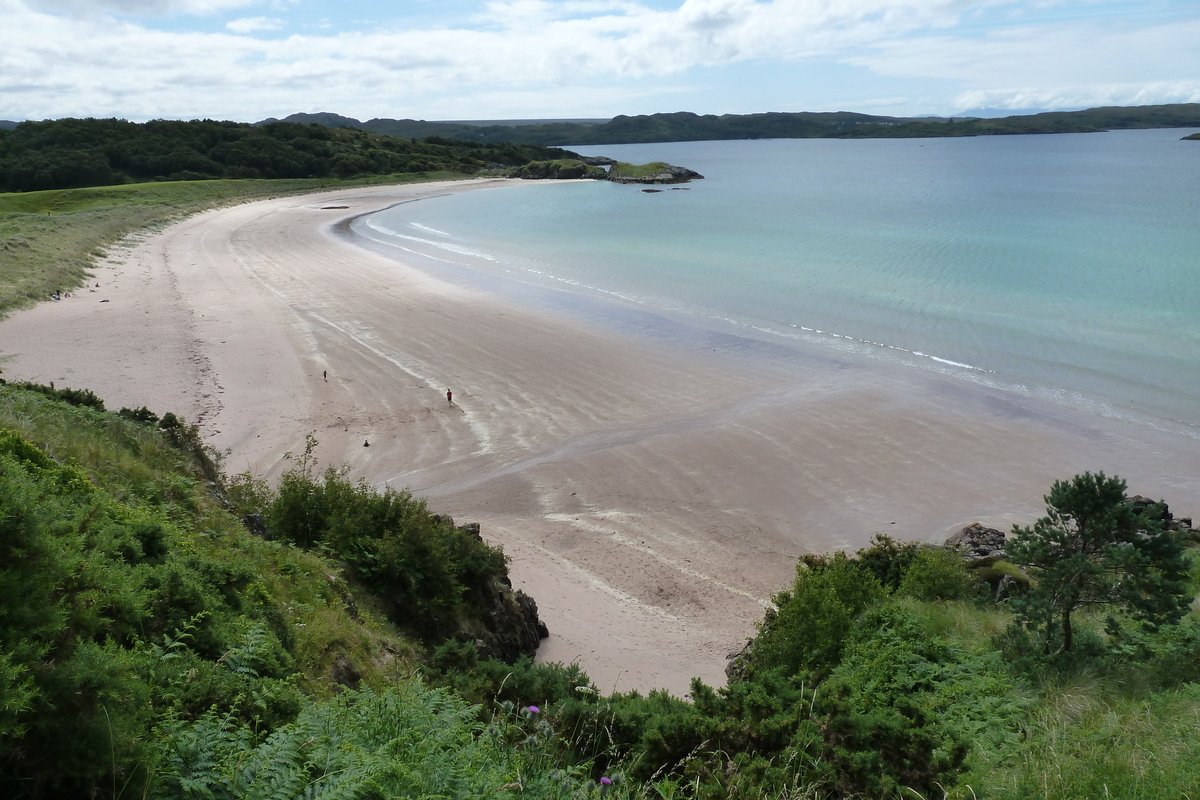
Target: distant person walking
450	397
325	375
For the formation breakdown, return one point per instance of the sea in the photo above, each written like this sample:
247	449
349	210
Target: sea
1064	267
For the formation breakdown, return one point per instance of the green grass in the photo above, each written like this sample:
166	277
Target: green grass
626	170
49	240
1090	739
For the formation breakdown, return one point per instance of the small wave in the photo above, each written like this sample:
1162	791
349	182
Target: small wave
428	229
873	344
457	249
375	225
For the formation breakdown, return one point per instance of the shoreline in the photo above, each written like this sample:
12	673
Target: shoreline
701	333
652	497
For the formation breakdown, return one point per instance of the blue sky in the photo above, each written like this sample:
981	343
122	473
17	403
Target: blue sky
520	59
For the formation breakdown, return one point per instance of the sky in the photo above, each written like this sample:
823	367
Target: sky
248	60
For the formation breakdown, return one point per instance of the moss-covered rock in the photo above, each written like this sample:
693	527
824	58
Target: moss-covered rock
558	169
654	172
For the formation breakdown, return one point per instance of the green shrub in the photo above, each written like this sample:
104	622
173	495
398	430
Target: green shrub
903	709
456	665
937	573
810	623
430	574
887	559
142	414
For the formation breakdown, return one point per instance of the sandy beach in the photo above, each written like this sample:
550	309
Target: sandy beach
652	491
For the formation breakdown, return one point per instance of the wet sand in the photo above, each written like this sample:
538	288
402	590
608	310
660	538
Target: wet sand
653	486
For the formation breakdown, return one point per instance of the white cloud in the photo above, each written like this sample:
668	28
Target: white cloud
252	24
1081	96
1083	63
137	8
524	54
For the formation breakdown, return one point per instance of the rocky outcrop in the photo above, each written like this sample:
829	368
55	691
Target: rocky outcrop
656	173
737	662
1158	511
983	549
594	167
509	626
976	541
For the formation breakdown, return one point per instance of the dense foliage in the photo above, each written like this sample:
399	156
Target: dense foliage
151	645
137	613
125	604
430	577
70	153
688	127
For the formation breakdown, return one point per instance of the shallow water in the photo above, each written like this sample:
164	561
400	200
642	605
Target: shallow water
1061	266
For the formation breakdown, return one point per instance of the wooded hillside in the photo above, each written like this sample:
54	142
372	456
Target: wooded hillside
72	153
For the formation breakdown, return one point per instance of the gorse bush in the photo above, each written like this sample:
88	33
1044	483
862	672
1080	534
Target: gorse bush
456	665
904	708
811	621
431	576
886	559
936	573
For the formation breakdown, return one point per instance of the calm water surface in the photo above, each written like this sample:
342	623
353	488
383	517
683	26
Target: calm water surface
1065	266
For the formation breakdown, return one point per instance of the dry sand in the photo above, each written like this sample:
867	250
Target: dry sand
652	488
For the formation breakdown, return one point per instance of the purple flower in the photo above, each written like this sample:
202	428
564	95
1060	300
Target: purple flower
605	781
534	710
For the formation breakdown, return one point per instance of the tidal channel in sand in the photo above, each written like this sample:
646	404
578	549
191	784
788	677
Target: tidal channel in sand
652	491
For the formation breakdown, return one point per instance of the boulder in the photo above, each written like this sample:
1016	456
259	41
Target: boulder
509	626
976	541
1159	511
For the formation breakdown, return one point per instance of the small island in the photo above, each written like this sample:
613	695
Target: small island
605	169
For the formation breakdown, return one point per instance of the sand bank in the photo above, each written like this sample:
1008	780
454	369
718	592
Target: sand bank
653	492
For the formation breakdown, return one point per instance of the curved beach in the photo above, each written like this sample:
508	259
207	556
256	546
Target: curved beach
651	491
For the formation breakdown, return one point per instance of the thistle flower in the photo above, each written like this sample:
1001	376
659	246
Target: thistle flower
606	781
534	710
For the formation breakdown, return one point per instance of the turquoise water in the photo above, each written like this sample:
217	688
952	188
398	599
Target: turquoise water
1065	266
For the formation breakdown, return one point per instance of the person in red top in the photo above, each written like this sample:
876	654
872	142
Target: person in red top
449	396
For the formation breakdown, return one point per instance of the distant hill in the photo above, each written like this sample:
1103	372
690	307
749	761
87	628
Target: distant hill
8	124
685	126
993	113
